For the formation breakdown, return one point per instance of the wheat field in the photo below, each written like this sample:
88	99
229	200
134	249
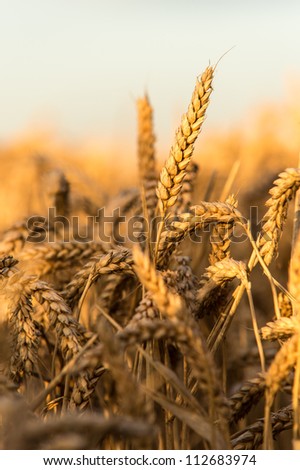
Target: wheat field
162	316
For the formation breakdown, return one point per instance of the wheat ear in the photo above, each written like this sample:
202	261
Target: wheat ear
115	261
146	154
200	216
46	258
282	328
284	189
174	170
246	397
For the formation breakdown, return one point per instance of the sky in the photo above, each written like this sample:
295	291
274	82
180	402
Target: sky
78	66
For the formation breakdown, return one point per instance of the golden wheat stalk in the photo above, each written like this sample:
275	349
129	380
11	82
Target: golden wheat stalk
284	189
146	154
213	290
294	277
280	367
174	170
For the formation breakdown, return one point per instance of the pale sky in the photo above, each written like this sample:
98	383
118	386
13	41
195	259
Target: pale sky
79	65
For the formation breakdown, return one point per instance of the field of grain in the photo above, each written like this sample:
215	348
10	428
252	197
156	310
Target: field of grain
159	311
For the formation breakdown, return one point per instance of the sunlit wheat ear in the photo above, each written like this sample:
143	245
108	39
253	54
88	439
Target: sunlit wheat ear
146	154
215	278
181	281
283	191
282	328
69	335
170	304
58	261
115	261
225	270
294	277
285	305
25	331
14	238
214	289
59	316
280	367
220	238
199	217
20	290
174	170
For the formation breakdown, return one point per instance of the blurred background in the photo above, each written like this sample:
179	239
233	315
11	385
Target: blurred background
72	70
